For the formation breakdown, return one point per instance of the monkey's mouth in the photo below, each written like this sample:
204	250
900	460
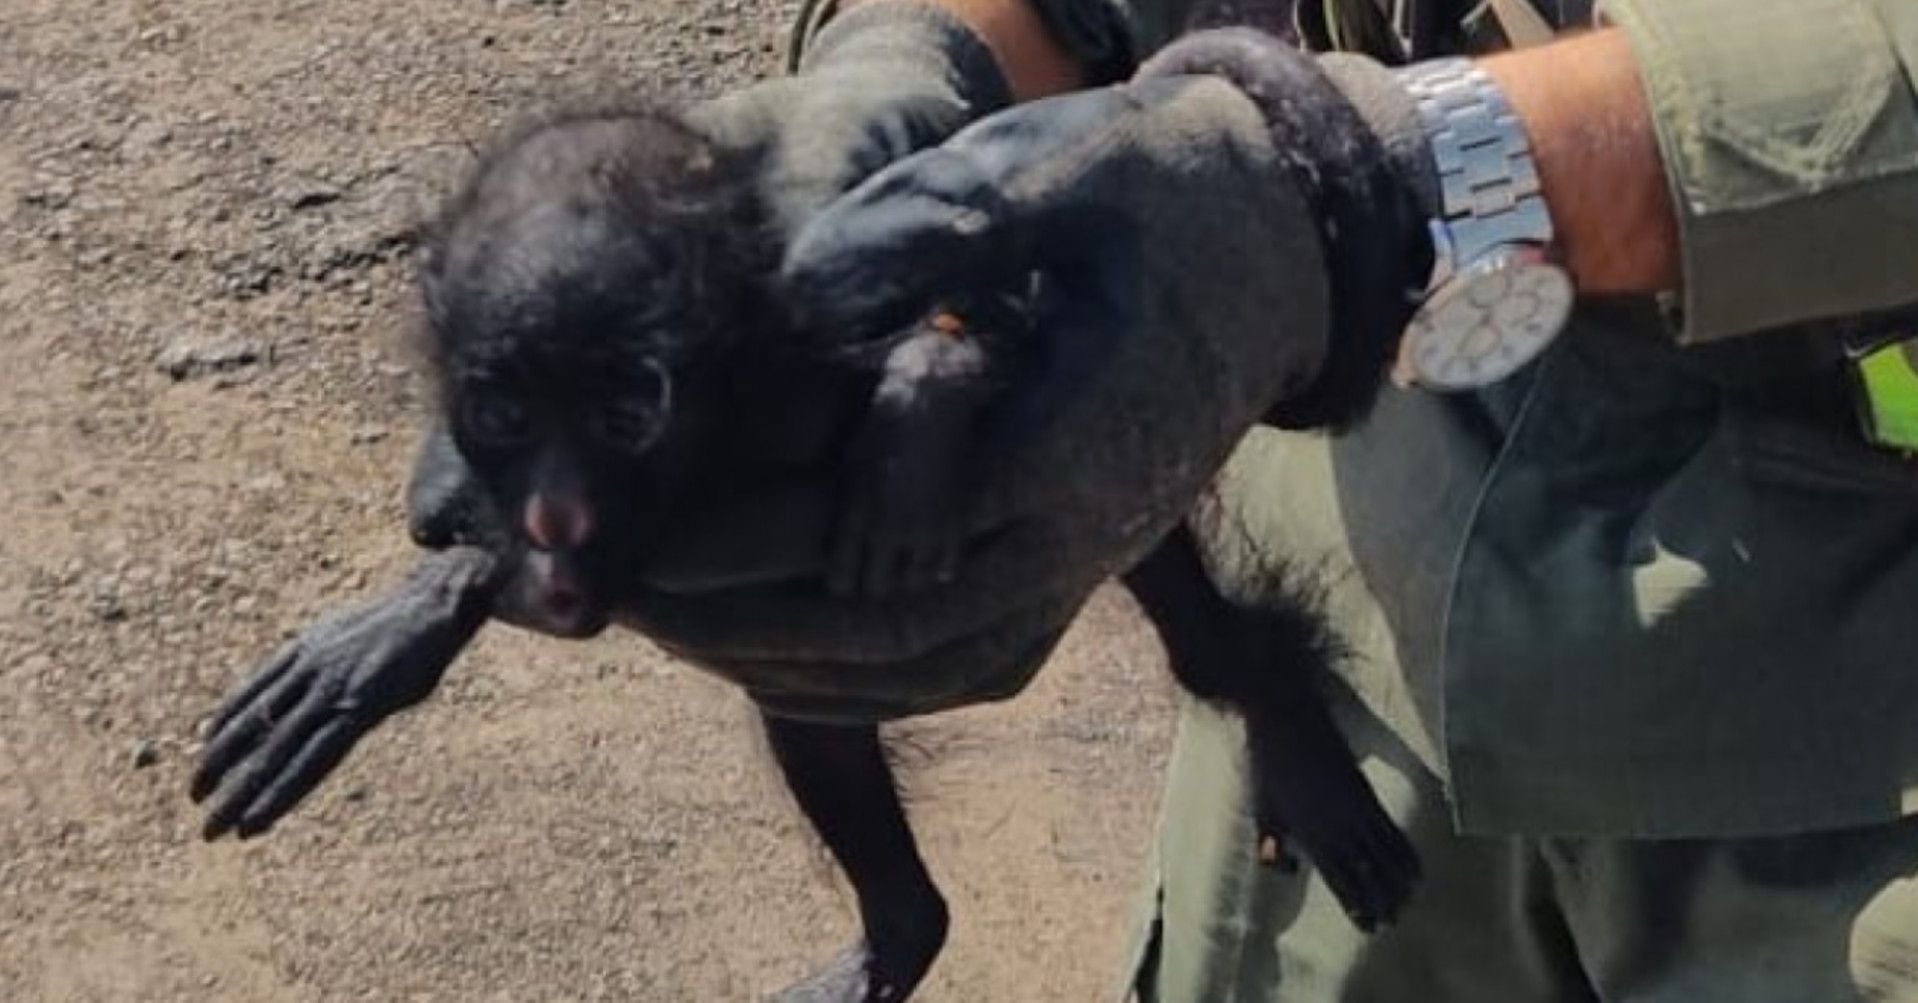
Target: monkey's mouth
557	597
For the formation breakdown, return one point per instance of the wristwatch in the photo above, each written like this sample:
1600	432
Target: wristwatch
1498	293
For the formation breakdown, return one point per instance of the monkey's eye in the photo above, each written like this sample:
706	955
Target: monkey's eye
634	420
496	418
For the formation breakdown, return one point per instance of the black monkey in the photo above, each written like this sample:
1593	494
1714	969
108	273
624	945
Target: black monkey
613	356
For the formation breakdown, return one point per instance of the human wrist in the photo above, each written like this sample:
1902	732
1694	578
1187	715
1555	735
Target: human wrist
1584	112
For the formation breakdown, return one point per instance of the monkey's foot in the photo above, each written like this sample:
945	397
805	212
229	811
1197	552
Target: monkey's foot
852	977
1310	798
904	943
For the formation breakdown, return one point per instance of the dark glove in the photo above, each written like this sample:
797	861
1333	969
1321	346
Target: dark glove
1225	142
298	715
879	81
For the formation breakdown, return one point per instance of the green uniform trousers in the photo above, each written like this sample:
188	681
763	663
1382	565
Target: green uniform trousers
1826	917
1821	918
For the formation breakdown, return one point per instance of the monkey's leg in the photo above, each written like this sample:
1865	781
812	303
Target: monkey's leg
841	780
906	497
1307	788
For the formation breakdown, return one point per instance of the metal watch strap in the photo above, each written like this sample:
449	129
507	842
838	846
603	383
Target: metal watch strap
1487	181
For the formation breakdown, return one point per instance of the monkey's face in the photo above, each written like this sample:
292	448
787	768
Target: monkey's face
576	292
585	461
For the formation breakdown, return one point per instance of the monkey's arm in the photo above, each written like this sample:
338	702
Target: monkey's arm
282	730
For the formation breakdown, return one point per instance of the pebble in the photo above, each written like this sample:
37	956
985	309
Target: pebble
189	356
145	754
147	135
312	196
110	609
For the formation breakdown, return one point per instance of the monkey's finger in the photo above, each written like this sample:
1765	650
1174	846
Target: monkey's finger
883	558
1346	887
851	540
919	566
264	765
932	562
1392	847
256	683
946	566
315	760
1395	879
873	261
993	202
243	732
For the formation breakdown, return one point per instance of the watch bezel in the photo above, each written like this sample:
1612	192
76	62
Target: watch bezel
1451	282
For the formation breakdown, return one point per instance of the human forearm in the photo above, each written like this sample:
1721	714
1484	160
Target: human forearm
1593	141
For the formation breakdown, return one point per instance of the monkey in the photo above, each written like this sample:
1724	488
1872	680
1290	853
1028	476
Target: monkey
612	354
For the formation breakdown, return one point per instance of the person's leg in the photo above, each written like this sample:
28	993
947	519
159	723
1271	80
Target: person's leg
1826	917
1482	926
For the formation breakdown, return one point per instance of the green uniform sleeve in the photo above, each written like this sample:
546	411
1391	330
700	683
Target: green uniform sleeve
1789	130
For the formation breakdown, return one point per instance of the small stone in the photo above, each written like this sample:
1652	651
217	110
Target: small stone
368	434
109	608
9	94
190	356
148	135
53	195
313	195
355	795
145	754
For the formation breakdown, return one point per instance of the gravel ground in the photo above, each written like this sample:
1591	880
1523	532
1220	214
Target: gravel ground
206	219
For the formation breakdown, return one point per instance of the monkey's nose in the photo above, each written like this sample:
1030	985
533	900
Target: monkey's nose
557	523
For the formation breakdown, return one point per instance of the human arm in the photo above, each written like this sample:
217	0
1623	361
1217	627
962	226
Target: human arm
1688	145
1598	162
1756	161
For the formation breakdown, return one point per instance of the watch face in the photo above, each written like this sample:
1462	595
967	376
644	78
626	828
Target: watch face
1487	323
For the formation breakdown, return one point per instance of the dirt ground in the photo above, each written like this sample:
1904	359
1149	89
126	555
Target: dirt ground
205	219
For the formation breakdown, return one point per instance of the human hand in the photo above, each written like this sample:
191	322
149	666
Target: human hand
297	716
879	81
1211	179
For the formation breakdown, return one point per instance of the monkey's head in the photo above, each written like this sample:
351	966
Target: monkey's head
582	292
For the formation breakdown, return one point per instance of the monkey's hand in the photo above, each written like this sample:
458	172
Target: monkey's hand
904	518
282	730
